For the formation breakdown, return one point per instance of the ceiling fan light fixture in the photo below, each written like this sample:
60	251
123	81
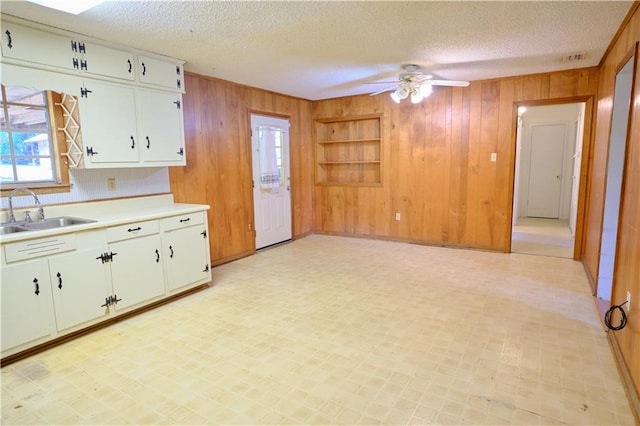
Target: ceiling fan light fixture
395	97
426	89
402	92
416	97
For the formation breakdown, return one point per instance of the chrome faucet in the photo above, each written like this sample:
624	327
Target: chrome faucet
12	217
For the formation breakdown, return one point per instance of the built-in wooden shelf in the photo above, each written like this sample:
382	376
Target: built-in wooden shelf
349	150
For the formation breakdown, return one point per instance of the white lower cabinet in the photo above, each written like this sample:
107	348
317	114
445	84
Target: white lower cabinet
136	266
57	285
78	284
186	250
26	303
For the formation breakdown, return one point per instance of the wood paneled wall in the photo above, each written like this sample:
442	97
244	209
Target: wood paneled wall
437	171
627	267
219	172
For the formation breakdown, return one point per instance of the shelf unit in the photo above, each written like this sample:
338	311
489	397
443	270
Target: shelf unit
349	150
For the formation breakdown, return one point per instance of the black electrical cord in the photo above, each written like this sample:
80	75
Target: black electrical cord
623	317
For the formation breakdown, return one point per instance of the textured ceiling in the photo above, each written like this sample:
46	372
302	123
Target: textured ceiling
325	49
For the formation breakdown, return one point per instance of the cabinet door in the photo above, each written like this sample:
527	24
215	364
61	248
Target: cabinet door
136	271
186	256
160	127
107	61
160	73
79	286
26	303
31	45
108	123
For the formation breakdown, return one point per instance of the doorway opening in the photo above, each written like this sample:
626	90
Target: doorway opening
613	190
549	145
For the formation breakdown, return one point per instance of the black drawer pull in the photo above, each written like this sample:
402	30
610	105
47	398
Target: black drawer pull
134	229
185	220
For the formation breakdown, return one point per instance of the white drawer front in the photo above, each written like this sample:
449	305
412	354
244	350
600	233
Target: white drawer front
39	247
132	230
182	221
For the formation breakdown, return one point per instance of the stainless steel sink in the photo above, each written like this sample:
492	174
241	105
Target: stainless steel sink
57	222
11	229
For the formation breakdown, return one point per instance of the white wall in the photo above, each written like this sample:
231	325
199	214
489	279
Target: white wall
565	113
92	185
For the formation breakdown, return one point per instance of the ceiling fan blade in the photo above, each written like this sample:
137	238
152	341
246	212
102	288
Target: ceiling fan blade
421	77
382	82
388	89
455	83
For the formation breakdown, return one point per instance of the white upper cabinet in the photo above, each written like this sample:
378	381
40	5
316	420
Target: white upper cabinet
107	61
160	127
108	123
66	52
129	101
32	45
160	72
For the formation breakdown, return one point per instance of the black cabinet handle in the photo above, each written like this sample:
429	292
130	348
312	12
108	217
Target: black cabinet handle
157	256
35	281
9	42
144	69
148	142
134	229
59	280
133	143
185	220
130	65
171	249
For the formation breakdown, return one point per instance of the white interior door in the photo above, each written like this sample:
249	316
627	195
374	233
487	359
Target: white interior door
271	182
575	177
545	172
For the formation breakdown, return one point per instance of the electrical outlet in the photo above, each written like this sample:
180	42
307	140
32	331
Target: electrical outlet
111	184
397	215
494	157
628	305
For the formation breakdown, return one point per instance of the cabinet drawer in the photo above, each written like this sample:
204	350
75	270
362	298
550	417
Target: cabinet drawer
132	230
39	247
182	221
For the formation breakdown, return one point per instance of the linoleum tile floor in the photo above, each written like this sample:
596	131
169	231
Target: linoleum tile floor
335	330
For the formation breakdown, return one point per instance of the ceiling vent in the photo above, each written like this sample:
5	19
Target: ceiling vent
575	57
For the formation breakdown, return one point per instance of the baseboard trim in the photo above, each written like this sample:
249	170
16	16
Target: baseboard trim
625	375
10	359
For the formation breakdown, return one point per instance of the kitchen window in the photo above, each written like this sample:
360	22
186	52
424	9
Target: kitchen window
28	146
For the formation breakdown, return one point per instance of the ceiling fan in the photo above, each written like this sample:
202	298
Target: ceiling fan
415	84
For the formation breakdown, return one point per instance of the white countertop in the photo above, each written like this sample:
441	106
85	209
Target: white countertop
106	213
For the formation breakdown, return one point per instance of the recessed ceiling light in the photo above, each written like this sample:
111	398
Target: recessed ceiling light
70	6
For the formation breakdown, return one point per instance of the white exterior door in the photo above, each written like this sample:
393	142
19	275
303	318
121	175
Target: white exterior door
545	172
271	182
